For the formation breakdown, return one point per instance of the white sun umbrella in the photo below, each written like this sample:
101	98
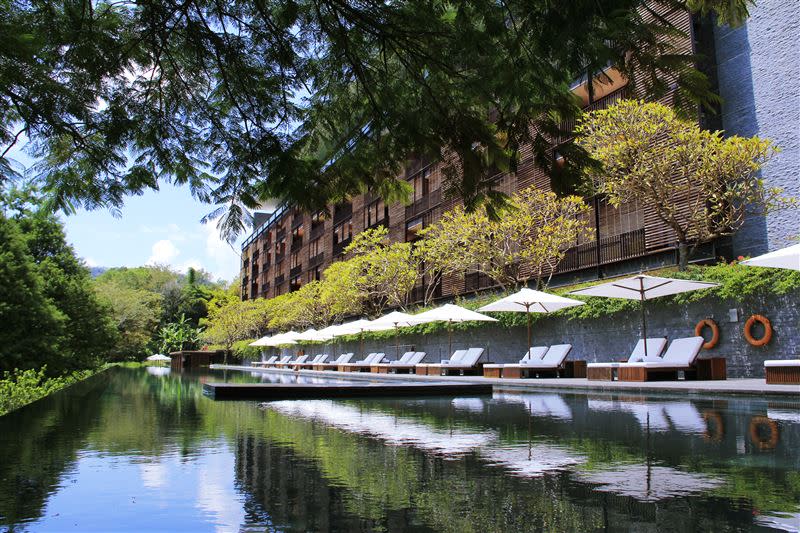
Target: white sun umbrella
290	337
788	257
394	320
263	341
643	288
159	357
530	301
355	327
451	314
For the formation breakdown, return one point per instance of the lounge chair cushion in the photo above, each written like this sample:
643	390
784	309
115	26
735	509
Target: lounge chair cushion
654	348
299	360
417	358
406	356
534	354
455	358
782	363
470	358
379	357
683	352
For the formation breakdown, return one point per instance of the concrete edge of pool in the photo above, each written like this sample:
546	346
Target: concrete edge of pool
296	391
738	386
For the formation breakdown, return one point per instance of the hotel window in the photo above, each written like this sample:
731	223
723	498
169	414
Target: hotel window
315	274
280	246
294	260
295	284
412	228
343	231
315	248
375	212
420	184
317	219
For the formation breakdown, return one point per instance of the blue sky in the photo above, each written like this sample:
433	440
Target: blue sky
156	228
159	227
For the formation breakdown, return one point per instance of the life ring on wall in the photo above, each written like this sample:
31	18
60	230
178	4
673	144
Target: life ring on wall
748	327
698	332
762	441
715	429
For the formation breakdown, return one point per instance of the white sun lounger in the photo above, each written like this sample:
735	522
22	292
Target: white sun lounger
284	360
363	365
680	356
424	368
265	363
405	364
334	365
606	371
552	363
535	353
467	363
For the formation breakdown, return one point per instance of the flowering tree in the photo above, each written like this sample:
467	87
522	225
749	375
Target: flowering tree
526	241
698	182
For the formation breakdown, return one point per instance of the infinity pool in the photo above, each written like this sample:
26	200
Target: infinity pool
146	451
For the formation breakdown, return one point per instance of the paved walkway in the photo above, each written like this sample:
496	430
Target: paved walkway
746	386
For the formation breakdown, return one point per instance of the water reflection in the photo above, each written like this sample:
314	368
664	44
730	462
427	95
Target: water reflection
132	450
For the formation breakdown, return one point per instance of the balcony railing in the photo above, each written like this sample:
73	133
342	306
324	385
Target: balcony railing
428	201
340	246
475	281
382	222
612	249
297	242
279	279
316	260
295	271
279	259
297	221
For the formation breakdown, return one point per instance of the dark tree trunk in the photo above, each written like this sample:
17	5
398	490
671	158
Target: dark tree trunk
683	256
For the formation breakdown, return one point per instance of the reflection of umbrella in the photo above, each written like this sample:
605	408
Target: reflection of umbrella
643	288
645	482
159	357
452	313
395	320
530	301
784	258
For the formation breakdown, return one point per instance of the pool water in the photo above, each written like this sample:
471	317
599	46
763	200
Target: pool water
147	451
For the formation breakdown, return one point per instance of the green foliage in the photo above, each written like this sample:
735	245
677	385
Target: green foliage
21	387
698	182
208	95
145	299
180	335
736	283
231	319
30	325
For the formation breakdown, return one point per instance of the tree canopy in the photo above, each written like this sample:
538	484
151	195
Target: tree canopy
698	182
311	100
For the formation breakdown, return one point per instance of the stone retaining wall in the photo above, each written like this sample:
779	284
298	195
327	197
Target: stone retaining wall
613	337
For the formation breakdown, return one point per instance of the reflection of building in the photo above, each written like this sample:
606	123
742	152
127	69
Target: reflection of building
289	248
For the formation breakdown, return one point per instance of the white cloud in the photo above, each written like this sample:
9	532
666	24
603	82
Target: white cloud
89	262
163	253
224	260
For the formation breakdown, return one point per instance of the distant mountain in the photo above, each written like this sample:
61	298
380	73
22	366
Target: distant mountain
96	271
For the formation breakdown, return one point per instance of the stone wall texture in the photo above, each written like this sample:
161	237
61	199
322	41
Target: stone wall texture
758	67
611	338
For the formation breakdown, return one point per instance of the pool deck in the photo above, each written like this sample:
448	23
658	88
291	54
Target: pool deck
740	386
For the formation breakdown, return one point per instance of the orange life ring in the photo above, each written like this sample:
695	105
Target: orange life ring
698	332
764	443
715	429
748	326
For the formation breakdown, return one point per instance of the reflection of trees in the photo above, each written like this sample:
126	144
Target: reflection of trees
300	474
39	442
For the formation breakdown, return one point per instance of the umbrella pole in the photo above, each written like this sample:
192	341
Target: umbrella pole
449	338
396	342
644	317
528	312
